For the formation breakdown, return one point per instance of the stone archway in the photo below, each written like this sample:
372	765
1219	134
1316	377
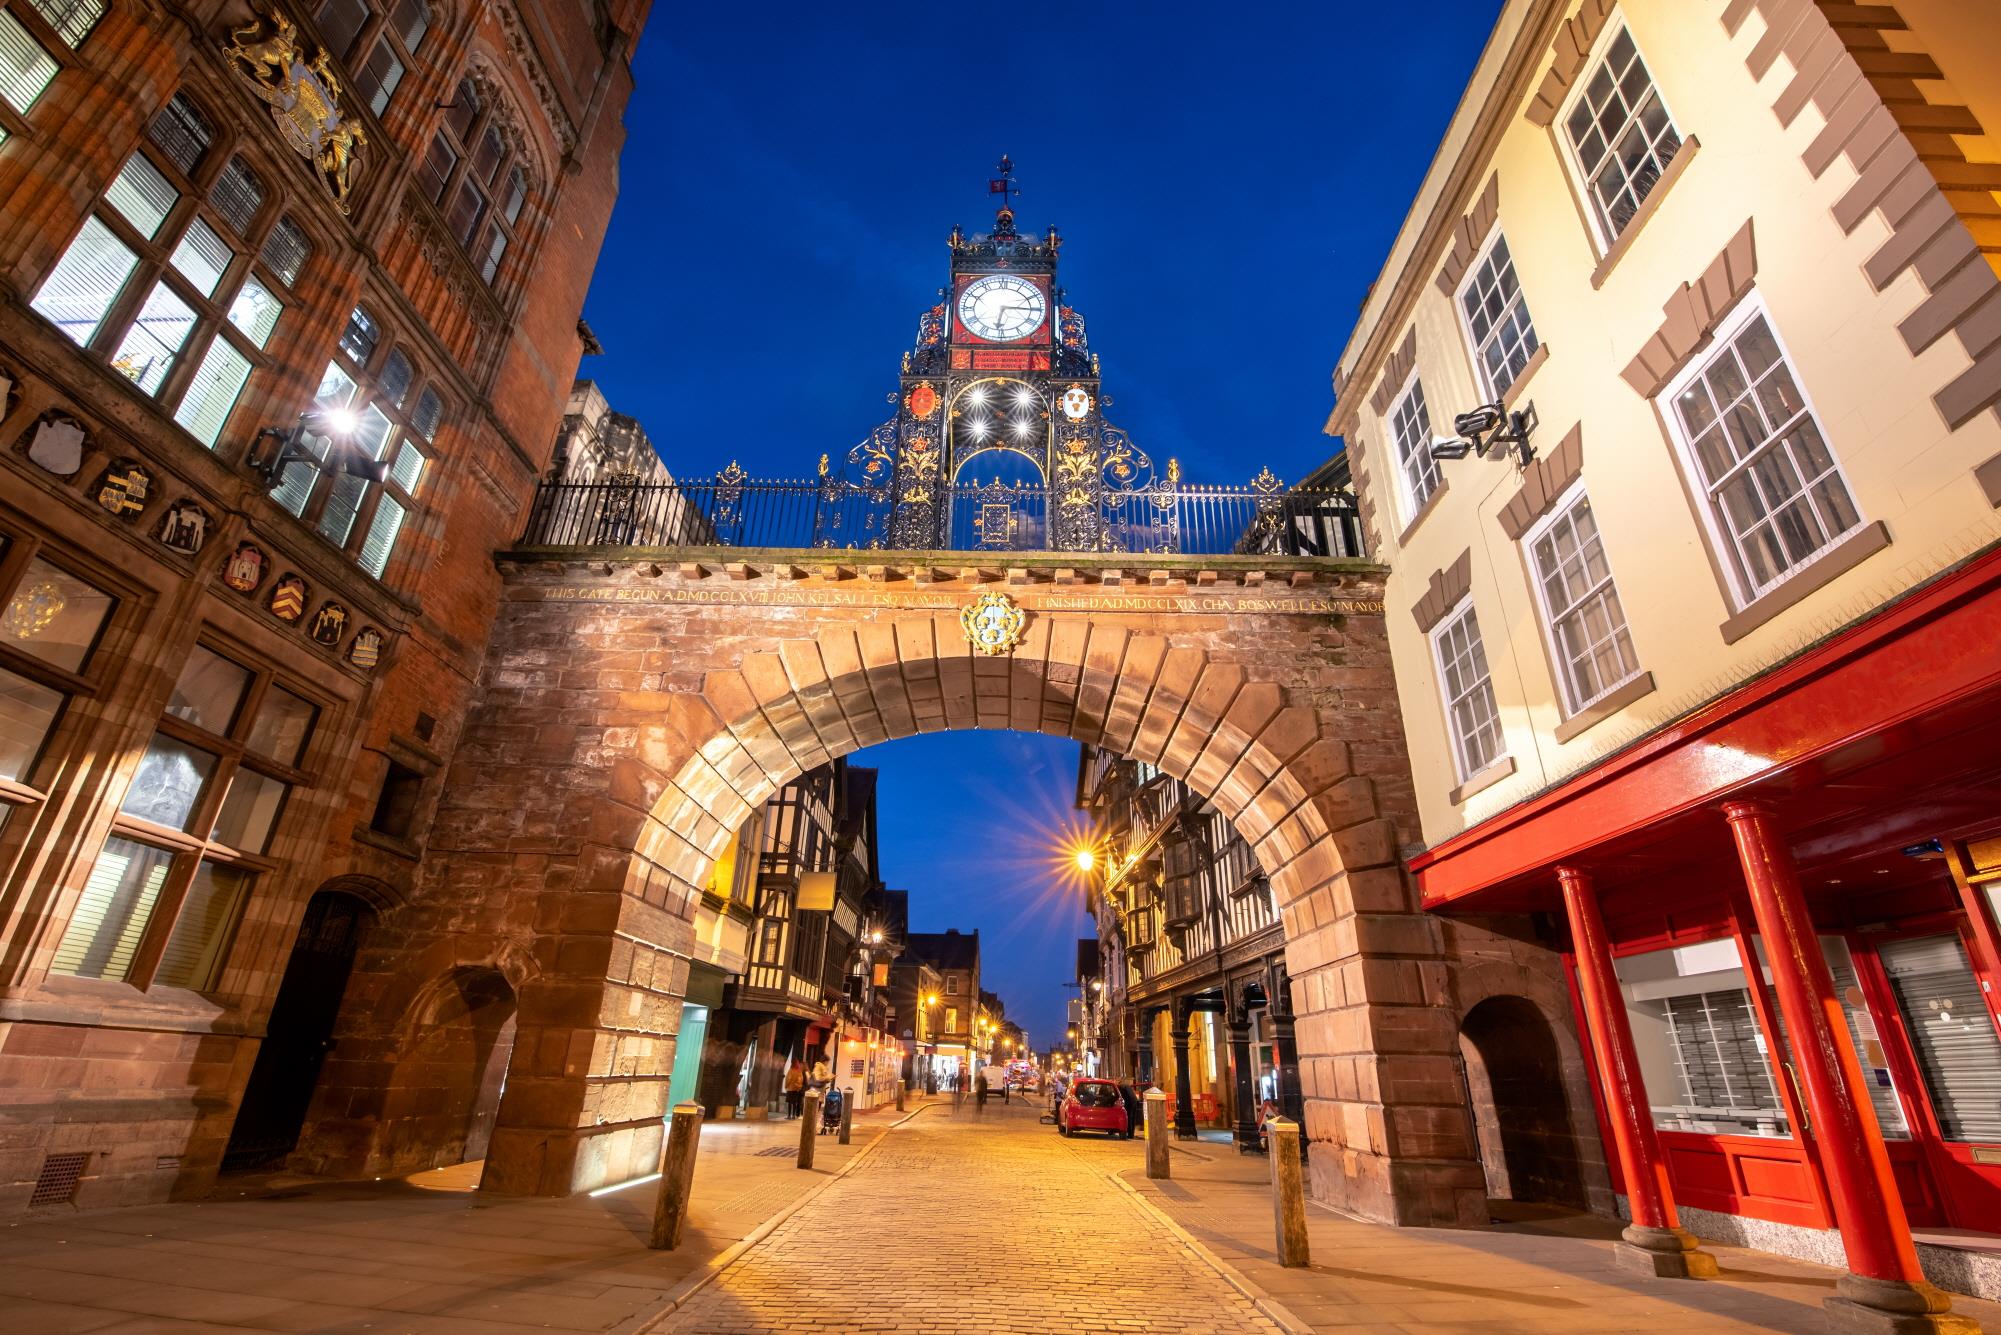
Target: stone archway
1522	1119
633	713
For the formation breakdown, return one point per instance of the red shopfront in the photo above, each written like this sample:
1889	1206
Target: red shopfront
1847	807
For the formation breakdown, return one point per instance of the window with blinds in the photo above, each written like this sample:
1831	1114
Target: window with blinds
1947	1020
371	379
186	226
110	918
218	772
25	68
72	20
1705	1059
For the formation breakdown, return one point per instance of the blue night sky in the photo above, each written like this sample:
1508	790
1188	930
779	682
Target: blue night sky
1227	182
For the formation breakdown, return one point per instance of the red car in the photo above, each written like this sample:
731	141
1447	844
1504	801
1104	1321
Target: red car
1093	1105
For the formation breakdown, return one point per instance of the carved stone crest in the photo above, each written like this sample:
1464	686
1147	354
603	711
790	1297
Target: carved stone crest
993	622
57	445
304	97
184	527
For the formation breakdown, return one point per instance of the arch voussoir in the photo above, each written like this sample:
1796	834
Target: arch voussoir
1137	672
1104	660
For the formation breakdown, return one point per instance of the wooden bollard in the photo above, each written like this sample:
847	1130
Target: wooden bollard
809	1123
1157	1131
847	1115
899	1096
1288	1193
677	1177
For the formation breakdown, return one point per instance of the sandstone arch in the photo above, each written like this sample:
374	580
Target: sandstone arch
634	713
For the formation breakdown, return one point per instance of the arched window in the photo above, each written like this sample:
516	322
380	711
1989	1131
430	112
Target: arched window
375	42
372	378
474	173
179	276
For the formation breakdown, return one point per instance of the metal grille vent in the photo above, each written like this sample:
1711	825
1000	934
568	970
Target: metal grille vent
58	1182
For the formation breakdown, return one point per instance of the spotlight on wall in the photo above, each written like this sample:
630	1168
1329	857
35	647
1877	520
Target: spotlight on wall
1490	429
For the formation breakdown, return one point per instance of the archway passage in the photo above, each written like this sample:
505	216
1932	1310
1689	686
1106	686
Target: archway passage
1515	1084
635	711
300	1032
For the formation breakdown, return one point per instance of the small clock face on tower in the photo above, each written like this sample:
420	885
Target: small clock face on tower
1002	307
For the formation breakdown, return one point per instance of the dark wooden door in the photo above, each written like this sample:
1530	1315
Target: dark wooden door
300	1034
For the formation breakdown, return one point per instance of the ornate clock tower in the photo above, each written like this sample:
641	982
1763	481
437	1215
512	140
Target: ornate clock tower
1001	367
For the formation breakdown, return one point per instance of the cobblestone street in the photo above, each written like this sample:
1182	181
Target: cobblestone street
895	1244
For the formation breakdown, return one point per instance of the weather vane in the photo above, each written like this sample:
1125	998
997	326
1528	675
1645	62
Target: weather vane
1004	186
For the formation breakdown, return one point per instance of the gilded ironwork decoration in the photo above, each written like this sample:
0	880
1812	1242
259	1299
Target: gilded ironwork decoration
993	623
304	97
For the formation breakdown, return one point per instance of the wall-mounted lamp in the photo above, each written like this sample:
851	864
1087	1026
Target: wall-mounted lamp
1490	428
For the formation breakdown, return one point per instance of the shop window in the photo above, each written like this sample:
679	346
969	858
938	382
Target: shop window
1705	1060
193	831
49	631
1951	1031
1775	495
1497	323
1581	608
1619	134
1467	684
366	384
161	281
1410	427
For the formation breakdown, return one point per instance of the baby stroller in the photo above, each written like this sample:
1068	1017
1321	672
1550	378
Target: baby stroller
830	1110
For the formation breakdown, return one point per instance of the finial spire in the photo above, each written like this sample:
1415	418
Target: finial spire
1002	184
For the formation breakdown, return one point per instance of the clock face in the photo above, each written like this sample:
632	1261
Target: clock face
1002	307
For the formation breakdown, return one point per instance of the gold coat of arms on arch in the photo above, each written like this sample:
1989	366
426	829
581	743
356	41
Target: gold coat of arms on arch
993	622
304	97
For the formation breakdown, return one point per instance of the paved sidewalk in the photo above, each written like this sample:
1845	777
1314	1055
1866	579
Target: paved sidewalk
1548	1275
426	1253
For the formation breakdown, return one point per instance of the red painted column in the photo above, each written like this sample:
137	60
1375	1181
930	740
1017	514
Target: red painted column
1655	1242
1882	1260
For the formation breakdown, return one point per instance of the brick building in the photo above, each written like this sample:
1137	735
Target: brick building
358	232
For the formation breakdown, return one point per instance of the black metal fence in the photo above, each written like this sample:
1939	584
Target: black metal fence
741	512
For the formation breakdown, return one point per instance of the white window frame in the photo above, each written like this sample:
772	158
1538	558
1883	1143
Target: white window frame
1559	660
1743	589
1615	23
1496	235
1435	636
1413	504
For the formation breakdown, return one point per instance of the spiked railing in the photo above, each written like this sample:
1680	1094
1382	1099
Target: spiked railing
733	510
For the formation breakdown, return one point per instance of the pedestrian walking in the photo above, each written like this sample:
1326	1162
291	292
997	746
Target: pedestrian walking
980	1088
795	1088
1135	1107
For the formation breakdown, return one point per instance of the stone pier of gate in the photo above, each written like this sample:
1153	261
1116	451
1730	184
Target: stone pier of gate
637	705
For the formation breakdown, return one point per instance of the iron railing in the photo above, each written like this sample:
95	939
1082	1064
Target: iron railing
734	511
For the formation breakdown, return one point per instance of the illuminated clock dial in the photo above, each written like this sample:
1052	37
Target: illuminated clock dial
1002	307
